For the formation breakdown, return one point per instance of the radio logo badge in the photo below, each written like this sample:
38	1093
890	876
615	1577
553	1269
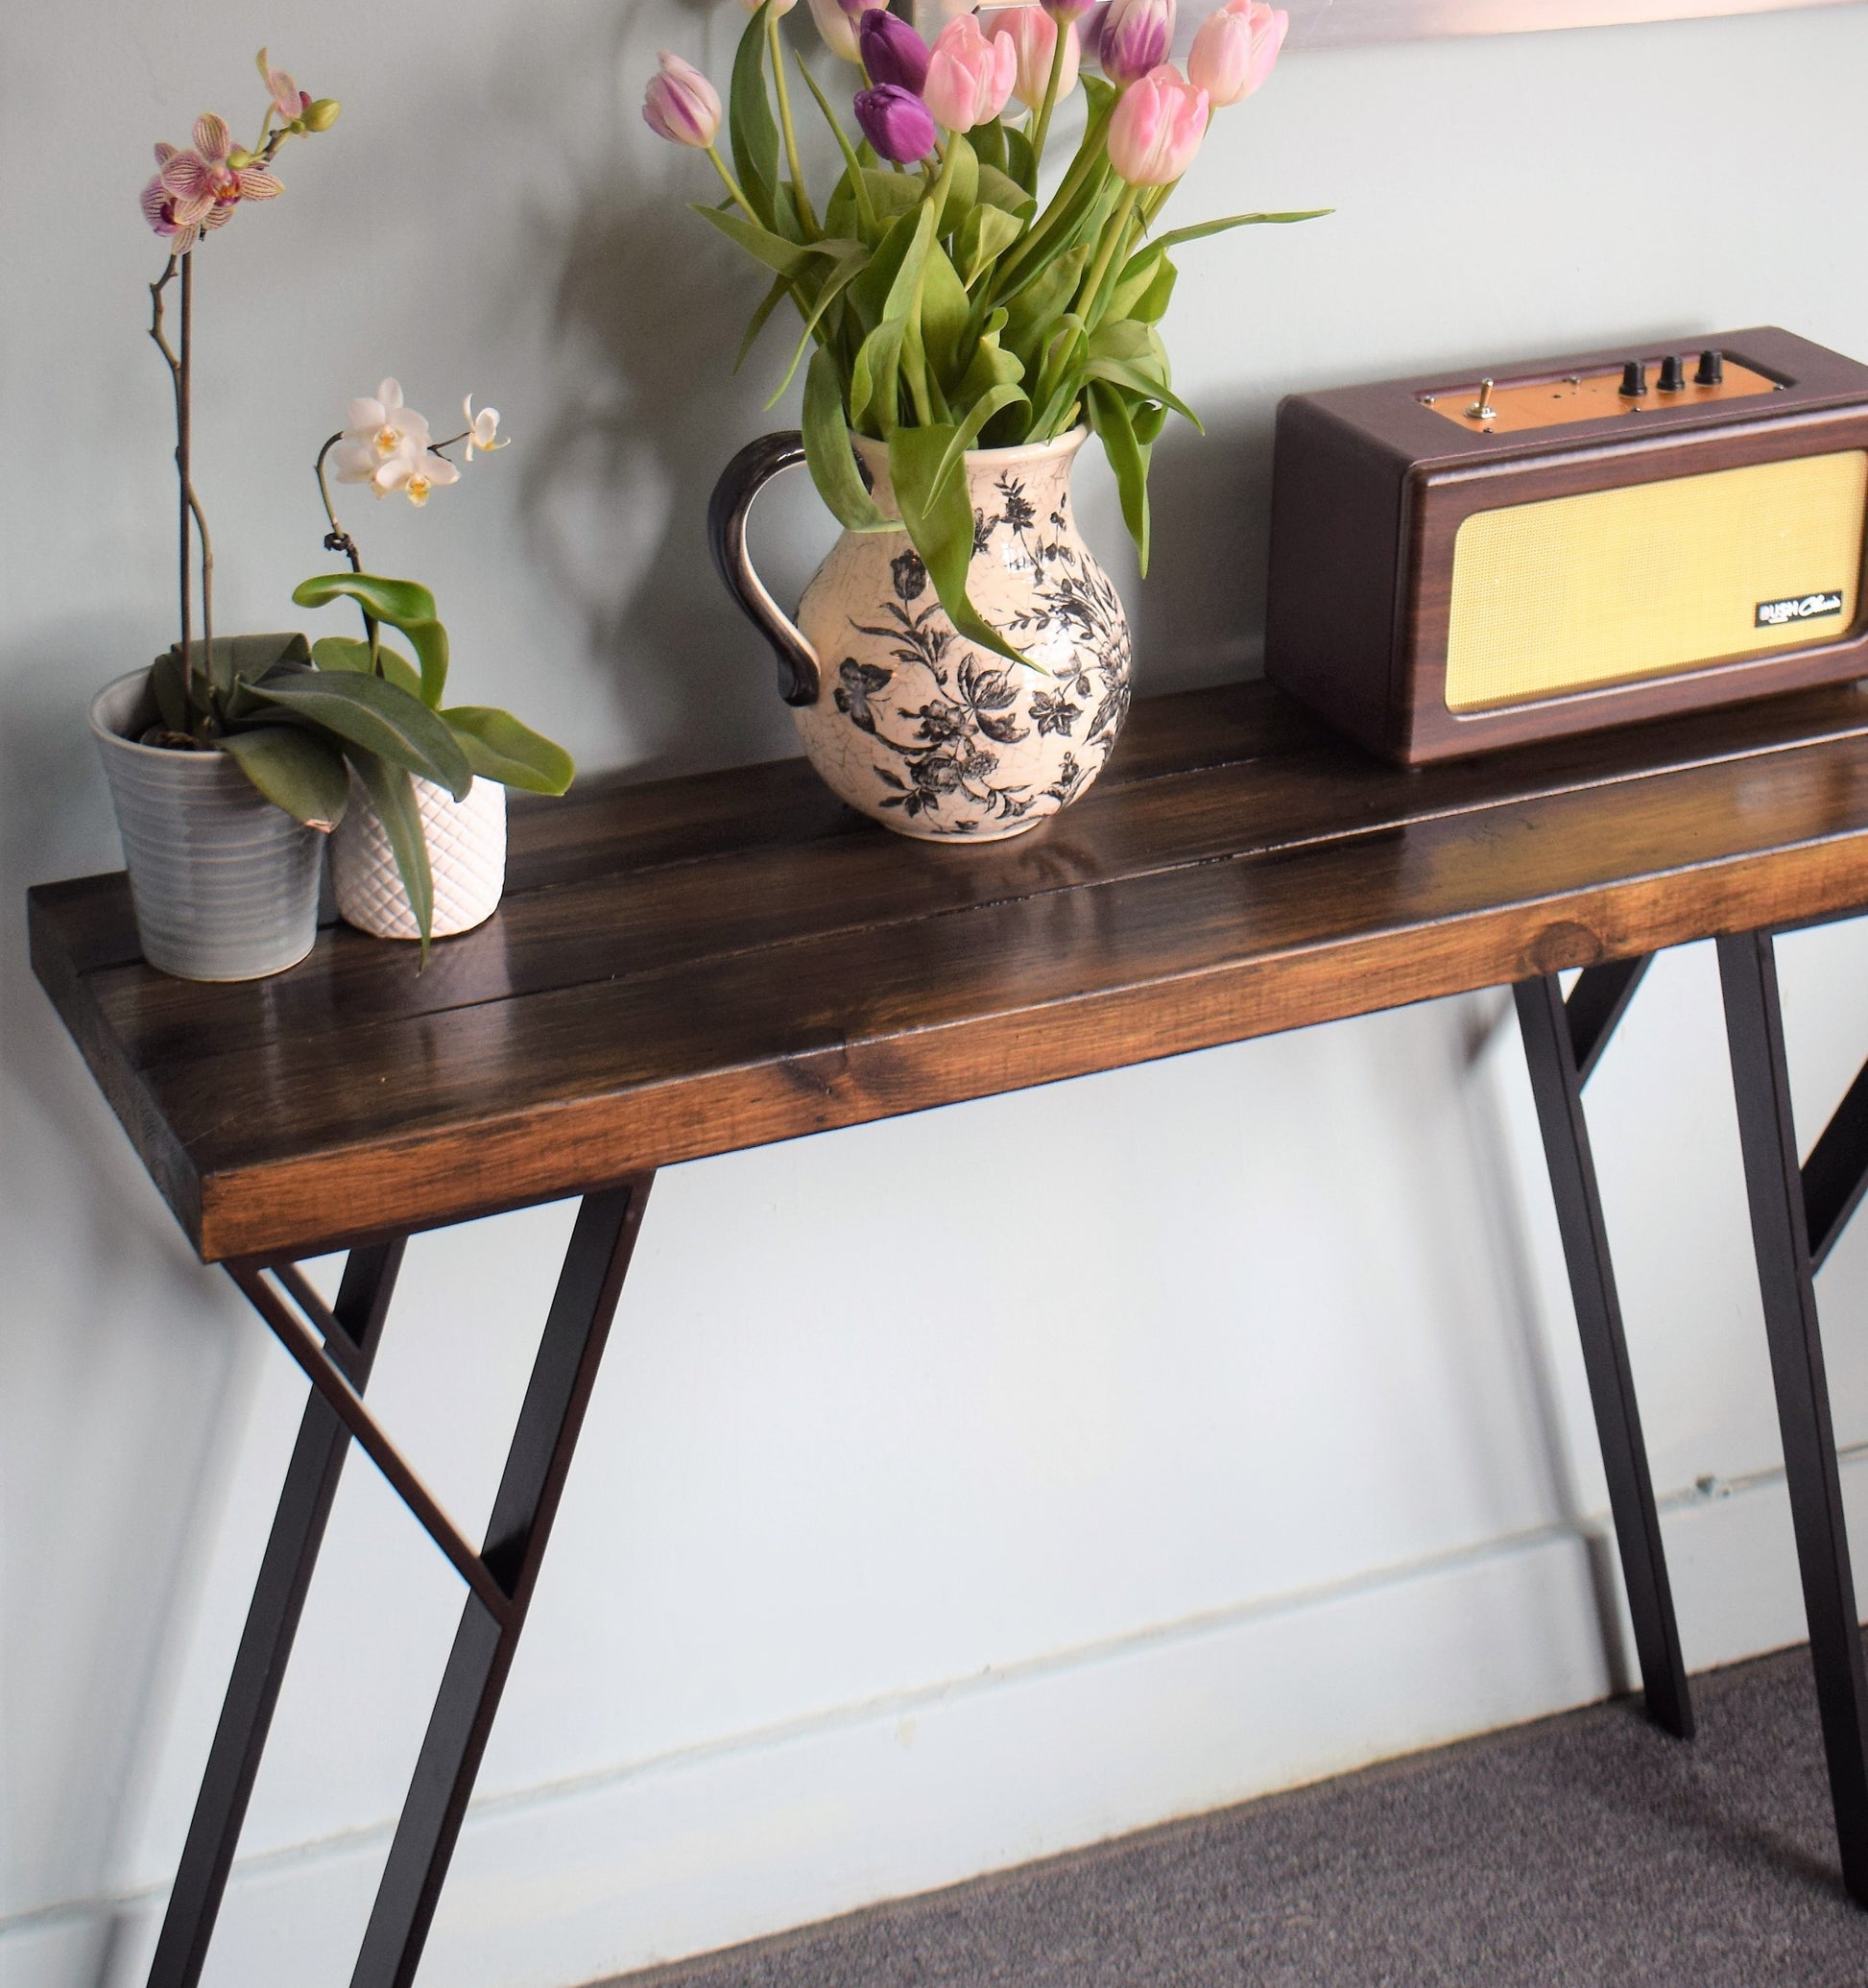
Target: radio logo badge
1798	606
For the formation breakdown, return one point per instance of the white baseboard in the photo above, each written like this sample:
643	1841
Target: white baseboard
567	1885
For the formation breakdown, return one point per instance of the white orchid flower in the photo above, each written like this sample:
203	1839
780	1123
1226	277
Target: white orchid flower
483	429
376	430
416	470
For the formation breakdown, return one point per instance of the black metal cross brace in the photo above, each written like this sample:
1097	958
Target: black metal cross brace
336	1346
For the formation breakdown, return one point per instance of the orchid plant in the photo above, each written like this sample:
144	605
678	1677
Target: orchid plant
949	310
300	718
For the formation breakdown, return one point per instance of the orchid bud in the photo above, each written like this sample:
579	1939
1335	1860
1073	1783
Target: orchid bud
836	21
239	156
1157	128
681	105
1034	36
969	78
1136	37
896	122
891	51
320	113
1235	48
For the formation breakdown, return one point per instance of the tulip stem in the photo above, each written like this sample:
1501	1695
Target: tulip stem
1115	236
800	198
733	184
1041	129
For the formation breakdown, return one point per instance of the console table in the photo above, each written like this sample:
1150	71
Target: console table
709	964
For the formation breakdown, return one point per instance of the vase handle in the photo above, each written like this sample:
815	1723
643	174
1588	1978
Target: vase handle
799	675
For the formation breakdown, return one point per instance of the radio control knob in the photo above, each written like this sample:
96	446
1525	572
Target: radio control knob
1712	368
1634	379
1673	375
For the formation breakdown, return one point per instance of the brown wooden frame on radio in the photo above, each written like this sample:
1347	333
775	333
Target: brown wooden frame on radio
1370	485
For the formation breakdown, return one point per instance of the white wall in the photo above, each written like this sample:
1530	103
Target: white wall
958	1489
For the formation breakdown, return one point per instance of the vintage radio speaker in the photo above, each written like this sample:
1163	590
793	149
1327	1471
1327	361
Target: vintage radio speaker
1459	565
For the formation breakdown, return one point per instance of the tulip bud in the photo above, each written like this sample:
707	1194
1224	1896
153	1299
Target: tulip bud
836	21
969	78
891	50
1064	11
681	105
1034	36
1157	128
1235	48
778	7
896	122
322	114
1135	40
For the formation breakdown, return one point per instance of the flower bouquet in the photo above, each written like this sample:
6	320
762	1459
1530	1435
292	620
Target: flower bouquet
954	320
231	755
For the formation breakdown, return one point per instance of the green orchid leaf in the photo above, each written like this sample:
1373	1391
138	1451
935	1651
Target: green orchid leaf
780	289
295	769
167	681
348	654
373	713
499	748
1201	230
752	131
841	276
827	452
1128	458
391	793
398	602
939	515
429	641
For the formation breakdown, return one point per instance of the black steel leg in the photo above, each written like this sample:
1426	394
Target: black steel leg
536	1468
272	1623
1780	1228
1557	1083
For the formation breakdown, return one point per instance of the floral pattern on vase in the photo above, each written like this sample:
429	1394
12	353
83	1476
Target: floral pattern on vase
922	729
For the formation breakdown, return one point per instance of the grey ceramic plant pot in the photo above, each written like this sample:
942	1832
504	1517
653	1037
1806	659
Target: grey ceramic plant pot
225	884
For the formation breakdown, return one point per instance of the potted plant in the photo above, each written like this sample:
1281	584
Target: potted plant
231	757
958	664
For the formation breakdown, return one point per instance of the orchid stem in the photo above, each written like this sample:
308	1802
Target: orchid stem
337	539
801	199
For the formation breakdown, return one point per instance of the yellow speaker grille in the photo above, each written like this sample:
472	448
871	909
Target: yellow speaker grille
1575	593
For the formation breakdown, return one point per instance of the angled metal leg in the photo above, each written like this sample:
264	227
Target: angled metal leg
527	1502
1551	1050
1780	1227
272	1623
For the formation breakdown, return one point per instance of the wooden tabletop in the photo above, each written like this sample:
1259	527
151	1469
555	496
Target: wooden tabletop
706	964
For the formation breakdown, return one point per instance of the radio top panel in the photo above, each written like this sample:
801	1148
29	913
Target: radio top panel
1612	392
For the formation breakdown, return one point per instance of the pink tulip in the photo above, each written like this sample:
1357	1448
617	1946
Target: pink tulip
681	105
1235	48
1135	39
969	78
1157	128
1034	36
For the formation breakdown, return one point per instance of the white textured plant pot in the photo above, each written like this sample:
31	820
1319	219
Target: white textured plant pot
905	719
225	884
467	853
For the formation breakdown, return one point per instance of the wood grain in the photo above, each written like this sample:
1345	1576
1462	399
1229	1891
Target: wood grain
703	965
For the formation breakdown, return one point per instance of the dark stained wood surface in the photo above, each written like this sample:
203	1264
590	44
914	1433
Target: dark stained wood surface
703	965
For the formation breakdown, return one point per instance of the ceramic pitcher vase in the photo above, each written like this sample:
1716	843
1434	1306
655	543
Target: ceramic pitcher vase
903	718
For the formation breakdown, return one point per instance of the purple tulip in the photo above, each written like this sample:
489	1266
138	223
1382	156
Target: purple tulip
1135	39
896	122
892	51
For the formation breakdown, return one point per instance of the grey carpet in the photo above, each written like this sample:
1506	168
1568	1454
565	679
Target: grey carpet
1588	1848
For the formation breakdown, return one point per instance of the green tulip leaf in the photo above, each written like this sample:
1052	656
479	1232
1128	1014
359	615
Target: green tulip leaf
780	289
1203	228
391	793
375	714
853	180
873	380
1128	458
750	129
845	272
499	748
1002	190
827	452
295	769
939	515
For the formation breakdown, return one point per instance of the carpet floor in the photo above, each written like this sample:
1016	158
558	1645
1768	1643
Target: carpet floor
1585	1848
